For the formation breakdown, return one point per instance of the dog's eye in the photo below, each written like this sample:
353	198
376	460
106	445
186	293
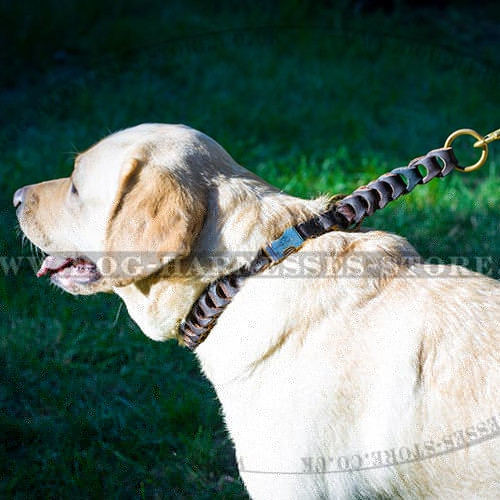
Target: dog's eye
73	189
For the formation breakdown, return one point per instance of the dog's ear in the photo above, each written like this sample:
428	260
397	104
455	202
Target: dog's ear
154	220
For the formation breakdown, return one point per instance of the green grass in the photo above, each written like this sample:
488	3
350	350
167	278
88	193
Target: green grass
318	101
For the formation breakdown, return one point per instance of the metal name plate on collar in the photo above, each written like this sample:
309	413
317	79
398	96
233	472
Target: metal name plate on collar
287	243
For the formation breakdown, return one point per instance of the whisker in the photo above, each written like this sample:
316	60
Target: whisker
117	316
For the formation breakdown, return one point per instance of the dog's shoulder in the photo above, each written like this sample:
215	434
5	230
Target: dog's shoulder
372	256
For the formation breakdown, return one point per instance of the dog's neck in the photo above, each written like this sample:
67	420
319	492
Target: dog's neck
253	215
245	214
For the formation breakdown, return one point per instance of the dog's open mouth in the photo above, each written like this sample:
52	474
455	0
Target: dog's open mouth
68	272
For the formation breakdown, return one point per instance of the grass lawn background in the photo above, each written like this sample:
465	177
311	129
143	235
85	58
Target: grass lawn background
313	99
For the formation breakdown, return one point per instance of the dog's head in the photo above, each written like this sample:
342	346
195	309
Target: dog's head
134	206
134	202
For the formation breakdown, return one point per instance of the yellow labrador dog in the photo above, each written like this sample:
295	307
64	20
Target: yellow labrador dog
350	370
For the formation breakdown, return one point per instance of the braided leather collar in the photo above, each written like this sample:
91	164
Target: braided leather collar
348	212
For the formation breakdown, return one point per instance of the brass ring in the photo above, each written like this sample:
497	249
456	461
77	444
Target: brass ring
479	137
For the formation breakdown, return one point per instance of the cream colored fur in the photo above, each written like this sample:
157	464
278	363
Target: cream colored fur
310	371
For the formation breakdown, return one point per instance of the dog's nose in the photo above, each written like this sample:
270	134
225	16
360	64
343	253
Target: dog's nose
19	196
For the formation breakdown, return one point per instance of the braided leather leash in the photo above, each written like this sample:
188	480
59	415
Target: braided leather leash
348	212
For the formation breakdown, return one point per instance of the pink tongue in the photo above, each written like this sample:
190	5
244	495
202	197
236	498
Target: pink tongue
53	264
